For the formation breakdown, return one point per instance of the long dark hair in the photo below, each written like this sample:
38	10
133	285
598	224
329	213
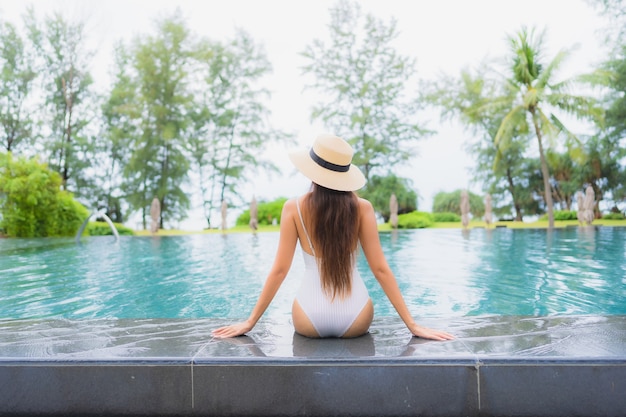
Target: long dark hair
334	224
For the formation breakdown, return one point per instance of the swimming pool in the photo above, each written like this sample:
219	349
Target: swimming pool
442	273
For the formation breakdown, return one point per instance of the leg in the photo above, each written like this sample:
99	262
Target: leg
362	323
301	322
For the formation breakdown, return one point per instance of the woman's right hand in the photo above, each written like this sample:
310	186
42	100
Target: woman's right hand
233	330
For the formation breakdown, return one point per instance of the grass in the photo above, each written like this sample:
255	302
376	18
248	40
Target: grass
543	224
539	224
386	227
236	229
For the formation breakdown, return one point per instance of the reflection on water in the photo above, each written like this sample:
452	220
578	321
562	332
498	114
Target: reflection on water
528	272
442	273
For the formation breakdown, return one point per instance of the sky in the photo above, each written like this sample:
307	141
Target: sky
443	36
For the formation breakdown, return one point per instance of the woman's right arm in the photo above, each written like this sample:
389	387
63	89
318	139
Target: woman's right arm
280	268
370	242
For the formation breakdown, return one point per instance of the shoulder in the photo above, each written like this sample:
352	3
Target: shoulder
365	206
290	207
366	210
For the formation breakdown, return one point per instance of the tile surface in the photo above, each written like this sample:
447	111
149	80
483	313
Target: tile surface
500	366
477	337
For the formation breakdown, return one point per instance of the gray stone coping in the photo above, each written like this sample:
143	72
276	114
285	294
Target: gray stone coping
500	366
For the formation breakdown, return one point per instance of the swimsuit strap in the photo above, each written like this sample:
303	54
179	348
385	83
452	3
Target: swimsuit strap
303	226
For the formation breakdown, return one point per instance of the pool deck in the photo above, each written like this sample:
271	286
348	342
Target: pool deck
497	366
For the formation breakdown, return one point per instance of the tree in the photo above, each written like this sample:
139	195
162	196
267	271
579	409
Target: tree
379	189
451	203
16	81
365	82
615	140
536	93
470	99
63	66
564	180
230	118
604	170
615	11
616	96
609	148
157	164
503	176
119	125
32	203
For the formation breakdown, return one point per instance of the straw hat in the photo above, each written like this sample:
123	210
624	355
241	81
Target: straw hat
329	163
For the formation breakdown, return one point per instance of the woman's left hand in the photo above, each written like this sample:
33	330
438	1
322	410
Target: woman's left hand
426	333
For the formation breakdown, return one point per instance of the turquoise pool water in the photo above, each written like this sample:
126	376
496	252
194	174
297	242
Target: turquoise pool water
442	273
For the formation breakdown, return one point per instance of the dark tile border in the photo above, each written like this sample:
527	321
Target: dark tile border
372	387
575	387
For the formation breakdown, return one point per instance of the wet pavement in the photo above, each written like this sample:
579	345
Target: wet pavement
517	366
566	337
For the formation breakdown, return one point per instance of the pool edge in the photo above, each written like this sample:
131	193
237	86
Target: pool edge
482	386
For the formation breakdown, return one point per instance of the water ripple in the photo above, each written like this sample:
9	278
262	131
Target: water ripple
441	273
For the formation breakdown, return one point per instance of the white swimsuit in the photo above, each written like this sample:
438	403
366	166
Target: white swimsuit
331	318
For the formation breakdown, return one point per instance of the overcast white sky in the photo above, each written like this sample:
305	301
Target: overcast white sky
443	35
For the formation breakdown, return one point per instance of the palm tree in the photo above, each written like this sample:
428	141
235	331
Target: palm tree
532	85
471	98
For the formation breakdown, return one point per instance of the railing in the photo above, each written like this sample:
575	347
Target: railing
96	215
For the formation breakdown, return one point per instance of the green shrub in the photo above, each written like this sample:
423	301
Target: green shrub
562	215
32	203
415	220
267	212
614	216
379	189
446	217
68	217
103	229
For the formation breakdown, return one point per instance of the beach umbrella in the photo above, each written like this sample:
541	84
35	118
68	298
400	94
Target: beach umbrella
589	203
224	214
254	214
155	215
488	214
581	210
393	211
465	208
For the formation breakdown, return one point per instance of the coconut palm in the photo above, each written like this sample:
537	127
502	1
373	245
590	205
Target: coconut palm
536	95
470	97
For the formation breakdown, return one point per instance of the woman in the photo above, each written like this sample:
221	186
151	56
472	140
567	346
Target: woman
330	222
